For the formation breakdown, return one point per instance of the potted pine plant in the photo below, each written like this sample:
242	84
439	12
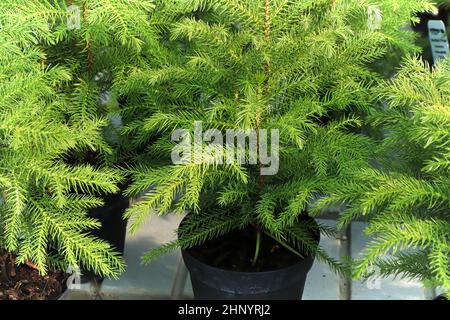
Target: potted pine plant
43	200
256	106
406	197
110	38
98	43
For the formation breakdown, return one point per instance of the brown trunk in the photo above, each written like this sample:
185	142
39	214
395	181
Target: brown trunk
90	56
266	84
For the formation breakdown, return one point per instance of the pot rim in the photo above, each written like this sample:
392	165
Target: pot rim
306	260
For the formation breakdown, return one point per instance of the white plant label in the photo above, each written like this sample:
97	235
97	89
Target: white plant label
374	282
438	39
74	280
74	17
375	17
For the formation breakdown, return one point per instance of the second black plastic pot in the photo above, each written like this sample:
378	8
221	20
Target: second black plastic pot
113	227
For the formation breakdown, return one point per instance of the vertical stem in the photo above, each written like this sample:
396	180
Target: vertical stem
258	124
266	37
266	20
260	176
257	248
90	58
266	83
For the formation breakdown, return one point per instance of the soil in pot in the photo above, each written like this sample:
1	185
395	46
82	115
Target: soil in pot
24	282
235	251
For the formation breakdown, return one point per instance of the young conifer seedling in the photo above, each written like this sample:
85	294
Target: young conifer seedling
56	60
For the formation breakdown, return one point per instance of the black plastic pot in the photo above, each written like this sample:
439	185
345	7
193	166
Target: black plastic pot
113	227
441	298
210	283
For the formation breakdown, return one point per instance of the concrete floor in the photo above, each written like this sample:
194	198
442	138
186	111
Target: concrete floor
154	281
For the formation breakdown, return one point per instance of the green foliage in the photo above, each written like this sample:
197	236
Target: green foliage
50	84
302	67
408	199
